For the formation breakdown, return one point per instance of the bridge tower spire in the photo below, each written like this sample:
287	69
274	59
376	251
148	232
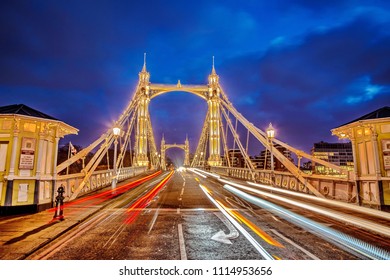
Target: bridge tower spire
213	101
141	148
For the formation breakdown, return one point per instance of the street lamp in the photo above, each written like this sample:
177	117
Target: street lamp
271	135
116	131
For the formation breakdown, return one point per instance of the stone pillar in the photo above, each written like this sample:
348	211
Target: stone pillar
355	166
374	139
14	149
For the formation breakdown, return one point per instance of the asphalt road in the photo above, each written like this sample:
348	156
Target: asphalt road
184	219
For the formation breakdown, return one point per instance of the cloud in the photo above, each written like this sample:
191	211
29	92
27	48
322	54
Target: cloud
311	87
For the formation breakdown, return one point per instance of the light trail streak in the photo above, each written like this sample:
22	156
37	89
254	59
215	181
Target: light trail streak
373	212
323	211
267	238
196	172
135	209
355	244
257	246
99	198
207	173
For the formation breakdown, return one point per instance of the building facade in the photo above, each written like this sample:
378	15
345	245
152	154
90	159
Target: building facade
263	161
337	153
28	158
370	138
236	158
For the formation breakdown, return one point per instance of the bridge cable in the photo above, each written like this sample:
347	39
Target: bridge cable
286	162
224	140
248	162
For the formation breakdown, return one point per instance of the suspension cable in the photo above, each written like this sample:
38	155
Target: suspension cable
248	162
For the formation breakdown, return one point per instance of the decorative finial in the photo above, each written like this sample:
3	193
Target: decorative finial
144	67
213	70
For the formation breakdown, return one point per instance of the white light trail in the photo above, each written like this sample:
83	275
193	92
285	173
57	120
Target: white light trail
372	212
196	172
258	247
207	173
371	226
355	244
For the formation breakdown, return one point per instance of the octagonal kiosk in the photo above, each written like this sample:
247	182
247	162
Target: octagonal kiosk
28	158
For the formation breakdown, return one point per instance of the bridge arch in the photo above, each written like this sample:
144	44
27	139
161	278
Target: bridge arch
156	90
165	147
147	91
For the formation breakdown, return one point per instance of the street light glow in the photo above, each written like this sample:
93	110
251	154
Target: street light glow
270	131
116	131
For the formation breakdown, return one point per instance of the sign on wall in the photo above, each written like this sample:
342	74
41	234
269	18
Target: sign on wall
386	153
23	193
27	154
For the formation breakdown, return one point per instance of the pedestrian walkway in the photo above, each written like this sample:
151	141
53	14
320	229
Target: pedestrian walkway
24	234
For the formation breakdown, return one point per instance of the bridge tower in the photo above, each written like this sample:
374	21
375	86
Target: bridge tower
213	101
186	152
146	91
141	147
185	147
163	149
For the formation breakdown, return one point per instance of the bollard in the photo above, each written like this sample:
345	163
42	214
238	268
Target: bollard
59	212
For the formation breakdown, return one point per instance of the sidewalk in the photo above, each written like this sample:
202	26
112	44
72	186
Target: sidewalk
22	235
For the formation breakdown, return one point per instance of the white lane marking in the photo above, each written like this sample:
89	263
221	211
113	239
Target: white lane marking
276	219
295	245
182	246
221	236
249	237
153	220
178	211
182	191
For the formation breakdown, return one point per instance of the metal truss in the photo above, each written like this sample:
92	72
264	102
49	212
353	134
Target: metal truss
201	149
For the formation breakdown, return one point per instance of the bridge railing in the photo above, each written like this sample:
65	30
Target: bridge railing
341	188
98	180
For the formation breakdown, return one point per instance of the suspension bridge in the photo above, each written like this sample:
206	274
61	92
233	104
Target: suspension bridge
210	208
219	129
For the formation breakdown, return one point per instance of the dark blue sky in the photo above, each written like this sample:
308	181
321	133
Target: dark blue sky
306	66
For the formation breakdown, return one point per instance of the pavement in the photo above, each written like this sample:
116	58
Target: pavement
23	235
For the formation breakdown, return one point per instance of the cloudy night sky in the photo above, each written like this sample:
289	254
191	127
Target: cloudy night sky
306	66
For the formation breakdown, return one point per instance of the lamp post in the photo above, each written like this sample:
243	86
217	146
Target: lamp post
116	131
271	135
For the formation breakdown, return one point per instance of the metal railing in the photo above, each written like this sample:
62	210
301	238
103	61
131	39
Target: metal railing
342	188
98	180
